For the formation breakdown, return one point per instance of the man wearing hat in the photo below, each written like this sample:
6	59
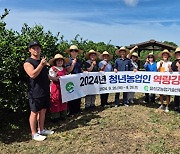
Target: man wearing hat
176	68
122	64
105	66
91	65
38	91
164	65
74	67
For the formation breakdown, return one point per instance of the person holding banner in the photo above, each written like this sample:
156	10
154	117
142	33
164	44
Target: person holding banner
164	65
176	68
150	65
91	65
105	66
134	58
122	64
58	109
74	67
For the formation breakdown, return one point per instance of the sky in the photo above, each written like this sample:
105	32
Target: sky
122	22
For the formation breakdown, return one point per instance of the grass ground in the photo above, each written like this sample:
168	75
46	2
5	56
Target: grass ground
140	128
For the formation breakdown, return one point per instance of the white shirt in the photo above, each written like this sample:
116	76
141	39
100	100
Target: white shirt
53	73
164	65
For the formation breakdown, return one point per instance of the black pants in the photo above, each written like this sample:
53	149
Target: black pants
176	102
147	98
125	100
104	99
74	106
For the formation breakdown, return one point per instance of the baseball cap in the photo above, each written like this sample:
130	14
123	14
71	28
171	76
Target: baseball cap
33	43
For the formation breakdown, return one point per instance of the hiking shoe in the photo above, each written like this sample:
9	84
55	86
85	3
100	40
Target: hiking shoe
166	109
38	137
46	132
161	107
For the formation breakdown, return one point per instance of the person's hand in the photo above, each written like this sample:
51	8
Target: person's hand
135	70
74	61
43	61
115	70
57	78
105	63
169	66
93	63
147	60
161	62
136	47
178	64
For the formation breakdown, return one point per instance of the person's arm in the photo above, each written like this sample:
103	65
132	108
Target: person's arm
53	78
146	63
116	66
155	67
71	67
169	66
159	65
89	69
131	51
131	67
52	75
104	66
34	72
178	66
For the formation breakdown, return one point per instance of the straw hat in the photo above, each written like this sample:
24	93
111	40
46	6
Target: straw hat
106	53
91	52
122	49
135	54
73	47
164	51
177	50
58	56
151	54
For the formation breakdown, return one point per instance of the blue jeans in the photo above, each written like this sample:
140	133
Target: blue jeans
125	100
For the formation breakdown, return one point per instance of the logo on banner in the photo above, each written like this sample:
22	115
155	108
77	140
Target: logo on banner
70	87
146	88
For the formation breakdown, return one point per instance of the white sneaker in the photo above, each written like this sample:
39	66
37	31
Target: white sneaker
46	132
167	109
131	101
161	107
126	105
38	137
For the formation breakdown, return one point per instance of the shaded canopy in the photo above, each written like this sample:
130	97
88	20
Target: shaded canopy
152	45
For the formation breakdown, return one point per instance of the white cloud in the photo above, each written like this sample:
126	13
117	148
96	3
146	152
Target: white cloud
131	2
119	34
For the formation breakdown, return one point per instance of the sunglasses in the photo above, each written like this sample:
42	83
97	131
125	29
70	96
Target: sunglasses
150	57
75	50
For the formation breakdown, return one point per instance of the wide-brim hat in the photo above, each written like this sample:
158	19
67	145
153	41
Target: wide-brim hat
151	54
164	51
73	47
59	56
106	53
87	55
135	54
177	50
122	49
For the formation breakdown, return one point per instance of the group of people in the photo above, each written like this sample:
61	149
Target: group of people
44	87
